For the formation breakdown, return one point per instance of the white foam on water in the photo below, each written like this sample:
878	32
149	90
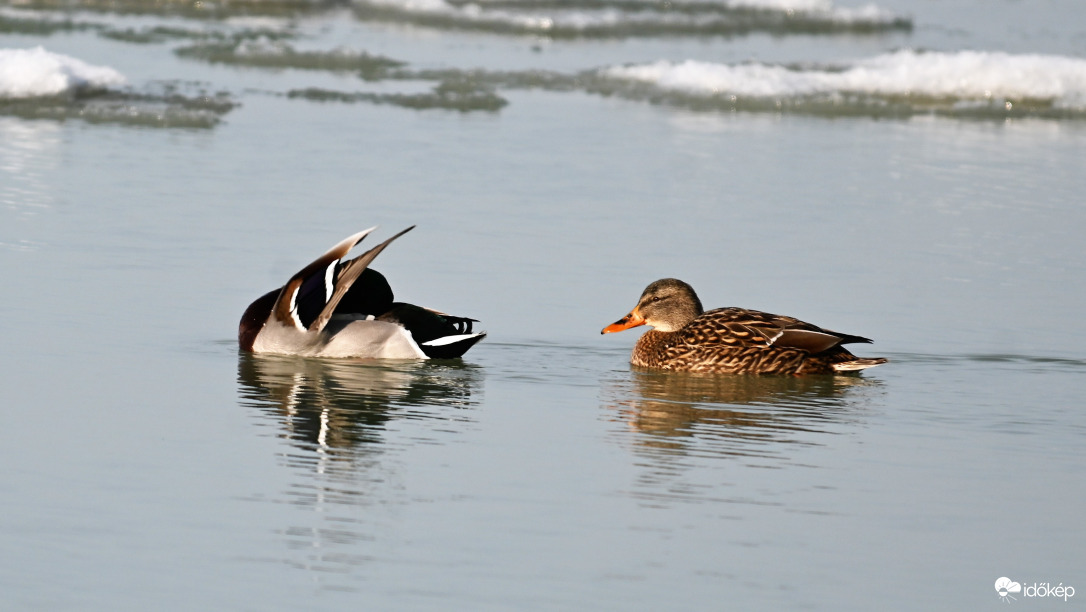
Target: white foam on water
966	75
26	73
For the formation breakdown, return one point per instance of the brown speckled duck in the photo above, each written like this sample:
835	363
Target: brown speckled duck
731	340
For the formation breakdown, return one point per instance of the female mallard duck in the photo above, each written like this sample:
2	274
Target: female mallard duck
336	308
730	340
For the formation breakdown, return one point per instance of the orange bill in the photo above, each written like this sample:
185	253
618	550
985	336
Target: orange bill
631	320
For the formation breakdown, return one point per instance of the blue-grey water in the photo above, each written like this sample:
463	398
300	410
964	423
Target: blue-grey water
149	465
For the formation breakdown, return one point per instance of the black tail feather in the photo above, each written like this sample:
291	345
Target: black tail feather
451	350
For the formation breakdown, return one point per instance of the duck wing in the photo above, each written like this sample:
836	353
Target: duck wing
309	298
741	328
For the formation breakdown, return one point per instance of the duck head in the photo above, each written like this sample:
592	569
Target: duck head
667	305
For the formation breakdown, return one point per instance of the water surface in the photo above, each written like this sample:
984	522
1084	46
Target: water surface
149	465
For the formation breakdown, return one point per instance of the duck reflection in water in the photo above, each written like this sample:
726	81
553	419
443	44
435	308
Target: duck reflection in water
732	415
340	405
342	470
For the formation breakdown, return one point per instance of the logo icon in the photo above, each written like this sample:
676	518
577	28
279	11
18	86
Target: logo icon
1005	586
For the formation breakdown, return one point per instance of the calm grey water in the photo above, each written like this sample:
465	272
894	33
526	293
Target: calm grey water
148	465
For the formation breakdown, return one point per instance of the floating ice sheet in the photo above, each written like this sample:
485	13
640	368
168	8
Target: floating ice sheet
27	73
625	18
963	76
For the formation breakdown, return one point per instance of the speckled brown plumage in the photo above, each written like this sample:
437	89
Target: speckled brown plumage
720	341
731	340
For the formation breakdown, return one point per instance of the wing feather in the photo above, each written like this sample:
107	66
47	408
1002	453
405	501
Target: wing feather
741	328
306	294
349	272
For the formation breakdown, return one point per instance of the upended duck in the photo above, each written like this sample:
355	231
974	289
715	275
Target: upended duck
337	308
731	340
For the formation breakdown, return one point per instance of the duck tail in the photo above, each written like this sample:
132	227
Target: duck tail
450	347
859	363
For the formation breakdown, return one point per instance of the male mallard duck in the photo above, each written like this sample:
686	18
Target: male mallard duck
730	340
335	308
